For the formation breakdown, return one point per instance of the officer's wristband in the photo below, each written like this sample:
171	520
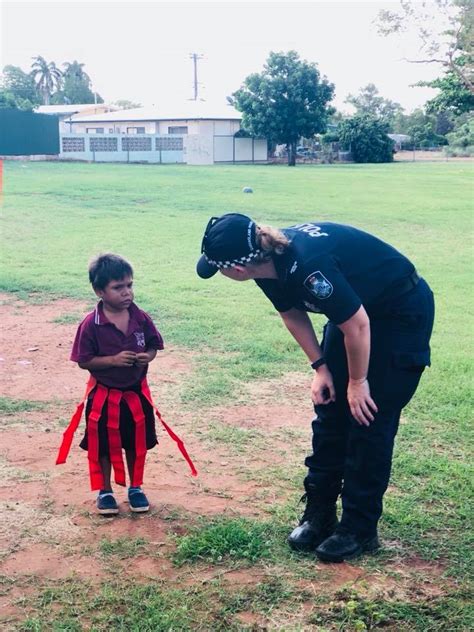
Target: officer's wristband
317	363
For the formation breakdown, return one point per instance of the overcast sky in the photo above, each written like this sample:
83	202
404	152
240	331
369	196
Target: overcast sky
140	50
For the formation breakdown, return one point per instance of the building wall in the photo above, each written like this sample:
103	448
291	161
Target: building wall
204	147
122	148
199	149
115	127
209	128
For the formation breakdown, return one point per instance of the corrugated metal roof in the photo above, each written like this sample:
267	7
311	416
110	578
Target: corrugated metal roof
192	110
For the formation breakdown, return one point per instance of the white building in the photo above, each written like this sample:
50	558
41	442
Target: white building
70	111
196	133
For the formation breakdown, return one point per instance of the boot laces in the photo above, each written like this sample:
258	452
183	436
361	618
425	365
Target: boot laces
311	508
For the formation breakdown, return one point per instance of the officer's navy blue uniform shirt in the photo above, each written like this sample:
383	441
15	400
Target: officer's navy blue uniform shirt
333	269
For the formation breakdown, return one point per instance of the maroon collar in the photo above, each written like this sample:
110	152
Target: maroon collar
101	319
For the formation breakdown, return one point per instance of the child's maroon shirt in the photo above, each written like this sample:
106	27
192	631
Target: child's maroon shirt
97	336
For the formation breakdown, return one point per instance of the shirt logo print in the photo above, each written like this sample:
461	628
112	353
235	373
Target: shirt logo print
318	285
140	336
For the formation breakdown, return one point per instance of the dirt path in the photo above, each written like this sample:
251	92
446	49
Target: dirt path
48	527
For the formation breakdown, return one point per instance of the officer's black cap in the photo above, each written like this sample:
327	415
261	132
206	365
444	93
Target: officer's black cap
228	240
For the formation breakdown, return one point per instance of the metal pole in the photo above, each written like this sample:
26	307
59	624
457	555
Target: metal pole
195	57
195	77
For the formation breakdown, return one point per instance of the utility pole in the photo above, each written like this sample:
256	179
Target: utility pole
195	57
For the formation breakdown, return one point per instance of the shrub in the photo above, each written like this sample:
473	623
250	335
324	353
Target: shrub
367	139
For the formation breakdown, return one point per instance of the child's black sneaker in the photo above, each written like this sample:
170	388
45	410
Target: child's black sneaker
106	504
137	500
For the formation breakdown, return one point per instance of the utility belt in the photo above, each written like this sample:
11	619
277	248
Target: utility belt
114	397
398	289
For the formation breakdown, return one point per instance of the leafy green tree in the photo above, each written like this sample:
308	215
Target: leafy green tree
453	95
462	137
423	129
284	102
21	88
369	102
445	30
7	100
47	77
366	137
444	123
76	86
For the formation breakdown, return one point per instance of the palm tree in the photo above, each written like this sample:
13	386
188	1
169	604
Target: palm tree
75	70
47	77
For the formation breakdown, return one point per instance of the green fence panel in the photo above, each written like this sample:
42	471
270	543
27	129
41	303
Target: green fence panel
28	134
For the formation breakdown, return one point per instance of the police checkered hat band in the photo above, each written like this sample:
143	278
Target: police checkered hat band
228	240
228	264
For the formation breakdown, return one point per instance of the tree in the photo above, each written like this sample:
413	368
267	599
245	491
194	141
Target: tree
18	89
19	83
77	86
453	95
367	139
284	102
369	102
424	130
461	139
445	35
46	76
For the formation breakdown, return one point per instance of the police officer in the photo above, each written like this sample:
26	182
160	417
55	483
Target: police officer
374	349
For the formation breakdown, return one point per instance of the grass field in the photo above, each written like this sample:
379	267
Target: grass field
56	216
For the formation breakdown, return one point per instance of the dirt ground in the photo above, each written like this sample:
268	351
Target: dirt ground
48	522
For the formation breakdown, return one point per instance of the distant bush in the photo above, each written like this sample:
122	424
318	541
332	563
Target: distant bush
461	139
367	139
460	152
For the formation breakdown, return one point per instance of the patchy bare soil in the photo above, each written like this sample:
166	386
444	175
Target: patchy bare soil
48	526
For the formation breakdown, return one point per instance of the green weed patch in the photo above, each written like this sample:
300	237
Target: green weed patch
224	540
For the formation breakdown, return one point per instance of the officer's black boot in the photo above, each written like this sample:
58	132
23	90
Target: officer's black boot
318	522
343	545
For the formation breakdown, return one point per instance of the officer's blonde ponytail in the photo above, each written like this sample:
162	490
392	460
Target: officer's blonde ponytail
272	240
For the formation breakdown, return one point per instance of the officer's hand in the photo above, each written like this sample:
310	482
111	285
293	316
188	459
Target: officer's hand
361	403
125	358
322	387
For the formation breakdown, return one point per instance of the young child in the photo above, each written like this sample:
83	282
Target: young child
115	343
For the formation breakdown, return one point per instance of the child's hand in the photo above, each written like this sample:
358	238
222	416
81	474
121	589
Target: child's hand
125	358
142	359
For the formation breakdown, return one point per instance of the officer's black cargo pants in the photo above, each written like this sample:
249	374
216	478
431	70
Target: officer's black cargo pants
352	460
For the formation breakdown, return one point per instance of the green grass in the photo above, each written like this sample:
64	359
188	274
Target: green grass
120	605
67	319
123	548
56	216
239	440
224	540
10	406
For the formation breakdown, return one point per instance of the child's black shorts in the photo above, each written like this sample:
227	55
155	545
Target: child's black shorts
127	425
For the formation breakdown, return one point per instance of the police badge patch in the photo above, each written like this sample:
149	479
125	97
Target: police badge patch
318	285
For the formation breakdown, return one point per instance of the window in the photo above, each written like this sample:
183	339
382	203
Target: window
178	130
135	130
111	130
94	130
